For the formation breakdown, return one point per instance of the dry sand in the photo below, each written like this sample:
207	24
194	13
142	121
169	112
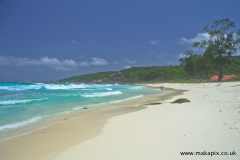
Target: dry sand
51	140
210	122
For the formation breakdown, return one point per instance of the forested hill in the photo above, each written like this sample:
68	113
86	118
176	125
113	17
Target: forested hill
149	74
131	75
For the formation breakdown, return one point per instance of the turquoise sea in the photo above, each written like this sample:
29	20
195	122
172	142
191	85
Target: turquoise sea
22	105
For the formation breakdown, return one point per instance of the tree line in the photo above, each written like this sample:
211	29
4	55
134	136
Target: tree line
222	44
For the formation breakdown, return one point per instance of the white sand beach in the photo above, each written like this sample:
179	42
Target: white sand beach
209	123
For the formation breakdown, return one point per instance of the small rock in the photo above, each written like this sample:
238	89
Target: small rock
85	108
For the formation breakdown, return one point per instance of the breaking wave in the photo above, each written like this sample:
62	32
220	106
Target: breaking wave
20	101
20	123
127	99
102	94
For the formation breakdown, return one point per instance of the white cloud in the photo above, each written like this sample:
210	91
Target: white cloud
25	61
128	61
95	61
155	42
64	68
17	61
75	42
50	61
84	63
198	37
55	62
126	67
63	65
98	61
67	64
4	61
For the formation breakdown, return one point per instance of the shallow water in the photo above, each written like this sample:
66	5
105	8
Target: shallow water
22	105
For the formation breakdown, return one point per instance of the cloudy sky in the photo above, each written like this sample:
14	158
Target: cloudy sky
53	39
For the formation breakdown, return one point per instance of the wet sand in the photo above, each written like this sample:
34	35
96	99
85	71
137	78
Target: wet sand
208	124
52	140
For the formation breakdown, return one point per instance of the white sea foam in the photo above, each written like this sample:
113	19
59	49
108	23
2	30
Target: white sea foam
62	86
20	101
19	88
20	123
110	89
127	99
102	94
136	87
43	86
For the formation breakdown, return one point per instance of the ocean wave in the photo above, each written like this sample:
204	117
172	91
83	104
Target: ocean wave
64	86
19	87
102	94
41	86
127	99
20	101
136	87
20	123
110	89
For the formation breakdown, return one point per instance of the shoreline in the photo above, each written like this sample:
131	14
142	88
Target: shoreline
48	120
136	130
208	123
47	142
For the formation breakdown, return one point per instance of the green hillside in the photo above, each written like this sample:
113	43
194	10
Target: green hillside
150	74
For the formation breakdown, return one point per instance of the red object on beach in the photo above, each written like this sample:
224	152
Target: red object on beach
225	77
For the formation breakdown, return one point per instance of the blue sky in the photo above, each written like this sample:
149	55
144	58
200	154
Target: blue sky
53	39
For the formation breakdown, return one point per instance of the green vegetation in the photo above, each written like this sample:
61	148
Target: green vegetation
154	74
131	75
87	77
221	45
217	59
